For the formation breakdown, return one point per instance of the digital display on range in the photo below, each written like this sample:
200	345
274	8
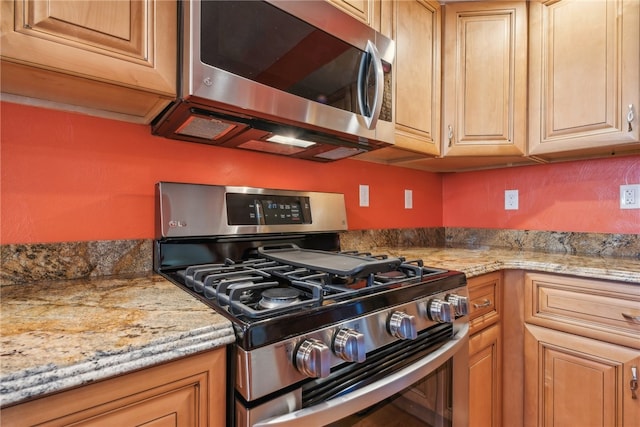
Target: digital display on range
264	209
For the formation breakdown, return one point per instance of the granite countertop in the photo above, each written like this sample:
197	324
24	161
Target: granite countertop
61	334
474	262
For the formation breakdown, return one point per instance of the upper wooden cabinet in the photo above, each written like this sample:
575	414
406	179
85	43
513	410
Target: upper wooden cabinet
416	31
367	11
484	104
415	27
469	111
584	77
109	58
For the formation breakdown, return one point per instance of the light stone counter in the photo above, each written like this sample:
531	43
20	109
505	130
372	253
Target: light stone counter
61	334
474	262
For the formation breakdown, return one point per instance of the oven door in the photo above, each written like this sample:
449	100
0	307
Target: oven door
432	391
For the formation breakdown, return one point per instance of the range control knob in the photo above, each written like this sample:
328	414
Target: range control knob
348	344
440	311
460	304
313	358
402	325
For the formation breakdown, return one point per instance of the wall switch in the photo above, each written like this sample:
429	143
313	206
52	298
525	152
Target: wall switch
364	195
408	199
630	196
511	200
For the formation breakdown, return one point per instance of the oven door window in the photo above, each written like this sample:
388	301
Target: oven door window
428	402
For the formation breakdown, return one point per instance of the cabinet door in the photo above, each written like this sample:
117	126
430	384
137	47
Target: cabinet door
485	394
584	77
416	31
576	381
184	393
415	27
367	11
114	56
484	78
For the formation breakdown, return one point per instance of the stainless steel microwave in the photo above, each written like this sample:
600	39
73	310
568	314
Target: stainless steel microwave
296	78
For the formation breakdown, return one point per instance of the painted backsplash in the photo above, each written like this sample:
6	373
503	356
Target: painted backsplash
580	196
68	177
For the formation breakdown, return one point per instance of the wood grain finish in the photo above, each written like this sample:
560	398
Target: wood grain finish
485	350
415	26
417	75
184	393
579	351
572	380
484	79
579	94
485	377
585	307
114	59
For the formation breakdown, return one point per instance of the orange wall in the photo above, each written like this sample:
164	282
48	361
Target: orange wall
580	196
70	177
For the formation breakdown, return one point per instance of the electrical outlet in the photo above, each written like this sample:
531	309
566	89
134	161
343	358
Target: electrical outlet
364	195
511	200
630	196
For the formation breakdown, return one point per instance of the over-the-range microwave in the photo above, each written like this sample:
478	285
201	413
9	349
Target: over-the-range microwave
296	78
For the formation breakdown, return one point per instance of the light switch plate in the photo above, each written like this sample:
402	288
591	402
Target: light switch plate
364	195
408	199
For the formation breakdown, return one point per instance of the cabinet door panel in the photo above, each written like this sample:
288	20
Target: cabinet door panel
360	9
485	396
110	58
580	93
484	83
417	76
115	25
571	380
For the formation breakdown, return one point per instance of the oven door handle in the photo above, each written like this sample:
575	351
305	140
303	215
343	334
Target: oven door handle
358	400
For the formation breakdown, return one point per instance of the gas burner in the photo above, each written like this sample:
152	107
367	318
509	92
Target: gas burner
278	297
389	276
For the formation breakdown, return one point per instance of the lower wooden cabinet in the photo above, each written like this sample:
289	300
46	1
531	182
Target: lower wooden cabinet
485	378
581	344
577	381
485	350
188	392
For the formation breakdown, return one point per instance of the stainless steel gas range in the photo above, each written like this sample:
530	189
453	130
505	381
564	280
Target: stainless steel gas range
323	337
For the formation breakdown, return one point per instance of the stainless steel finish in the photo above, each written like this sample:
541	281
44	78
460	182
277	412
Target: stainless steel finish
191	210
336	409
440	311
483	304
633	384
312	358
264	370
460	304
402	325
209	83
349	345
372	119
